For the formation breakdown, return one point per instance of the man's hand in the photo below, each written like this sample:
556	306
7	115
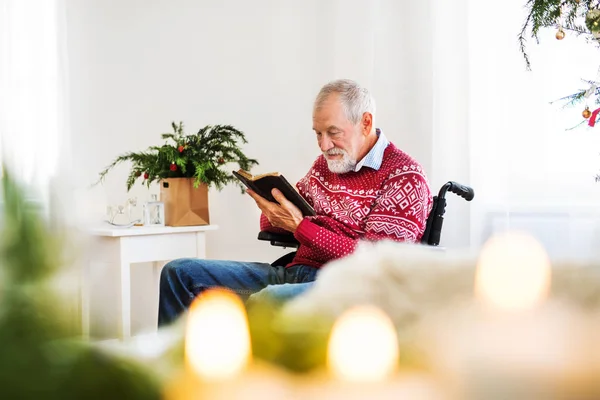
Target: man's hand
286	216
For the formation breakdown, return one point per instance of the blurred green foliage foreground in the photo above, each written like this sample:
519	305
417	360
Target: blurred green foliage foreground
41	357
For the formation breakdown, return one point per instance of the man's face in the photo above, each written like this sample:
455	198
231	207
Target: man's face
339	139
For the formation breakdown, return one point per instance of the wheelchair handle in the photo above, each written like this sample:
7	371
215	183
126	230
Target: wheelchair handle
463	191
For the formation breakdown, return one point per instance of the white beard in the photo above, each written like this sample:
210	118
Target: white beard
346	164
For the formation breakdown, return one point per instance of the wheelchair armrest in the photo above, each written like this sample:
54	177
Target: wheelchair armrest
279	239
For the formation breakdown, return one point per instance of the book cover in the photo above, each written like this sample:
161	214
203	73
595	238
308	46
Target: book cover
263	185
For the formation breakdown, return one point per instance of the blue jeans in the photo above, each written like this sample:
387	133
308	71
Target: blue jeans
183	279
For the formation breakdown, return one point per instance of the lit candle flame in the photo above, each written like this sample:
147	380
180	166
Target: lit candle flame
217	342
513	272
363	346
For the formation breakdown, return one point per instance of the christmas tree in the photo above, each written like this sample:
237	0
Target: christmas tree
579	17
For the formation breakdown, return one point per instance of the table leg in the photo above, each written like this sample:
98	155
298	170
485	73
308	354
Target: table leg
125	299
157	267
200	245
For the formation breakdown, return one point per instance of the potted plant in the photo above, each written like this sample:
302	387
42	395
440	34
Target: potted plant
186	166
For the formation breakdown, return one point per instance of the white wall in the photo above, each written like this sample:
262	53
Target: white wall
137	65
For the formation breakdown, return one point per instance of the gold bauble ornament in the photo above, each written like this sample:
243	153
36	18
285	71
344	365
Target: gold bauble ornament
592	20
560	35
586	113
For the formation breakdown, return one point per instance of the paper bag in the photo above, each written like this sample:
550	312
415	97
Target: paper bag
184	204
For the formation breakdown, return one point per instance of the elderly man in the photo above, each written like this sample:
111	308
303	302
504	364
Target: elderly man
362	188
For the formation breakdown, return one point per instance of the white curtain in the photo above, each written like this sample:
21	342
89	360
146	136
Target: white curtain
530	172
32	90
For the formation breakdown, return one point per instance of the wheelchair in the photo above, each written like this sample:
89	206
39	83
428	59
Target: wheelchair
431	236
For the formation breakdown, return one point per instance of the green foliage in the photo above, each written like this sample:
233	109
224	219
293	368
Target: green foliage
592	20
297	343
41	356
581	17
568	14
201	156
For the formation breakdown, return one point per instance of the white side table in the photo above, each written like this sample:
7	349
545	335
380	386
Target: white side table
126	246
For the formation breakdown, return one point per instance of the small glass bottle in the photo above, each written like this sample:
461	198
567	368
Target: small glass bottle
131	210
154	212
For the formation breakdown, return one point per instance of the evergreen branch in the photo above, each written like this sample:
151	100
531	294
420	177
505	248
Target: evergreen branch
131	179
571	16
178	129
571	99
547	13
136	158
576	126
202	157
579	30
522	39
167	136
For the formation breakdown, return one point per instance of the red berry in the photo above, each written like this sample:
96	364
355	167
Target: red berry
221	160
146	175
173	167
138	173
181	148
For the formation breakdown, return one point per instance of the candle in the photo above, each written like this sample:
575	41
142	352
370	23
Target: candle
512	341
363	346
513	273
362	362
218	356
217	345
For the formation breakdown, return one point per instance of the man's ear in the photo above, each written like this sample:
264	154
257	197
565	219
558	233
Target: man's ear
366	124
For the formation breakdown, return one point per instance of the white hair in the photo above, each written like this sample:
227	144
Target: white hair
355	99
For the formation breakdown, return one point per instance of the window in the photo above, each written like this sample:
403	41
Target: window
30	90
530	172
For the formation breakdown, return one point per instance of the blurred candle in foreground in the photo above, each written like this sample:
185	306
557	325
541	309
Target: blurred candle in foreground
217	345
362	361
531	346
363	346
513	272
218	355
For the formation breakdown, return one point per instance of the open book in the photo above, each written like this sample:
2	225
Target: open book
264	183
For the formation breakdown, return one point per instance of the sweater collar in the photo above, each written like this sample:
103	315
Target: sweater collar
374	157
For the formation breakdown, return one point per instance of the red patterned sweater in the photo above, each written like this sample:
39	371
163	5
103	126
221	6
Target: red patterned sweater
390	203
